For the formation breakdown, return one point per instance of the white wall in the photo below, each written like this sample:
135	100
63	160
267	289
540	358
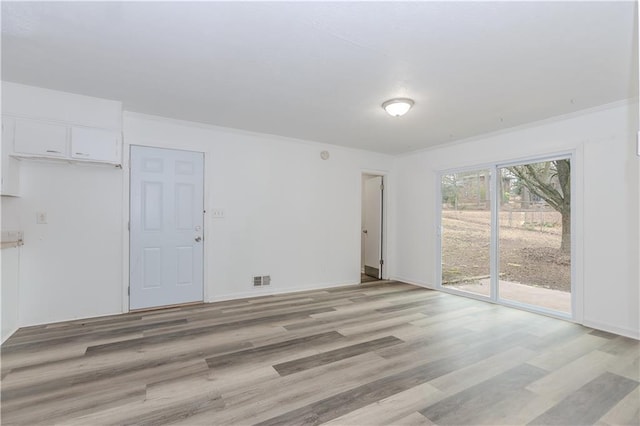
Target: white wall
606	203
288	213
9	293
36	102
362	220
70	267
296	217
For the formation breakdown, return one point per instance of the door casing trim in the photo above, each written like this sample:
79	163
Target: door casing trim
384	236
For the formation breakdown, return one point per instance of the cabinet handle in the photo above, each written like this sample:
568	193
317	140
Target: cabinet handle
82	153
53	151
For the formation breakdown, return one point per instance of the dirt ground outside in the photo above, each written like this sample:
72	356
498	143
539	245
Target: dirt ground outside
529	248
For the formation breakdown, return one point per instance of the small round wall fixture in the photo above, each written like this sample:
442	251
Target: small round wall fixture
398	106
324	155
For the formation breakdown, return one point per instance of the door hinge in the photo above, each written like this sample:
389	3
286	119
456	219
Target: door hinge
129	291
381	262
128	226
382	187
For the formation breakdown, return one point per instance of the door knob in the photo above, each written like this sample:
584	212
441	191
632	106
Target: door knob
198	239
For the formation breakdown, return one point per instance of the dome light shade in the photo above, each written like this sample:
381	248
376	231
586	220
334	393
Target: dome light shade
397	107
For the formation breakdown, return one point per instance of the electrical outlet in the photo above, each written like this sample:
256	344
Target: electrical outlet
217	213
41	218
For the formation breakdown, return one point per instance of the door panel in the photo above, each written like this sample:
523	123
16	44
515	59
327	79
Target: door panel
183	202
152	206
372	228
534	236
166	215
185	268
151	267
466	231
34	137
95	144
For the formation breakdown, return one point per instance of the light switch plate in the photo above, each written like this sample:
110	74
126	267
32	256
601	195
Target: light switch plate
41	218
217	213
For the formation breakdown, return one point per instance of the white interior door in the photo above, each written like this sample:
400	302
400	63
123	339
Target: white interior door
167	227
372	226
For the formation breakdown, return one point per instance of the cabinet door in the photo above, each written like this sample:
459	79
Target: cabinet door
95	145
38	138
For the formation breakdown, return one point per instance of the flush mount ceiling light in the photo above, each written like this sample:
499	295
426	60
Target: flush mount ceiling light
398	106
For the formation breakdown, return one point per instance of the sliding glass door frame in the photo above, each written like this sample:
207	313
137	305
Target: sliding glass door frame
439	229
494	255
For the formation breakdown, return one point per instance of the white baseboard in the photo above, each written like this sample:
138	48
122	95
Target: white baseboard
265	291
68	319
622	331
4	338
412	281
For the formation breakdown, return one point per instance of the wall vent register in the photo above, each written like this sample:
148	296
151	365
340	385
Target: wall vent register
261	280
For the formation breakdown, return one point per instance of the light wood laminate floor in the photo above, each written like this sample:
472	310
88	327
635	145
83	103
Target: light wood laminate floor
375	354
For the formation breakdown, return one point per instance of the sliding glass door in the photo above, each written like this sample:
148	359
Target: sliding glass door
535	234
466	231
506	234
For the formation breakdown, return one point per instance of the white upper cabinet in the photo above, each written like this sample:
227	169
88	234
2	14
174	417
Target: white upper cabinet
40	138
95	145
50	125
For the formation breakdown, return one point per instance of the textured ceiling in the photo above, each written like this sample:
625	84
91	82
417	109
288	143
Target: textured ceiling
320	71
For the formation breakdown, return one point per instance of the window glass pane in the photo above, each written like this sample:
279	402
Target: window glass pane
535	234
466	231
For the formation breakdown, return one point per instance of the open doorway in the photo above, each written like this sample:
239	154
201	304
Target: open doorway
371	261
